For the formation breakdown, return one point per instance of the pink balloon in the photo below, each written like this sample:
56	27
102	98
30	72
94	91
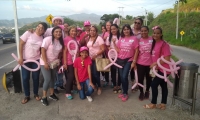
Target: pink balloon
136	80
26	61
116	21
113	62
72	52
173	69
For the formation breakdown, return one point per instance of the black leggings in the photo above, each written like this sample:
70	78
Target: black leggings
132	75
69	74
154	87
113	76
106	76
143	71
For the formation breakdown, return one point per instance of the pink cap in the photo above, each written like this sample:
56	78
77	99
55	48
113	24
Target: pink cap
54	18
83	48
61	26
86	23
79	29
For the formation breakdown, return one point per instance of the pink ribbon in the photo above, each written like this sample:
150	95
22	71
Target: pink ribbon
173	69
26	61
136	81
72	52
61	69
112	53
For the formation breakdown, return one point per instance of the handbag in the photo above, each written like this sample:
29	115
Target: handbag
122	62
101	63
54	64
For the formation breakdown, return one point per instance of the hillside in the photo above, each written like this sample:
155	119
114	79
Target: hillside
95	19
188	22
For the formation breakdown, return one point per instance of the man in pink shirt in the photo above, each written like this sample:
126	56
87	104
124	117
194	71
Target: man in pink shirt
84	37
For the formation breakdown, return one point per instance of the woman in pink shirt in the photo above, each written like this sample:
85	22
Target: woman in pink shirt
51	50
114	37
68	61
144	61
159	48
96	48
29	48
103	30
79	31
127	48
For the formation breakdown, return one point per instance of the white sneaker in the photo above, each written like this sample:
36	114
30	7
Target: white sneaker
89	98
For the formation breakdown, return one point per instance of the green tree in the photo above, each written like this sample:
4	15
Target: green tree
150	17
108	17
129	17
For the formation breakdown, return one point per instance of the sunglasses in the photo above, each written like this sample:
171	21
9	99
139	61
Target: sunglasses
82	63
137	23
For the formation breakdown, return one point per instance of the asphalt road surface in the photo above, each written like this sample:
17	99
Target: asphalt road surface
106	106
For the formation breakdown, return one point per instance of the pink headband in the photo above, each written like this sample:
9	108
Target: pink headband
155	27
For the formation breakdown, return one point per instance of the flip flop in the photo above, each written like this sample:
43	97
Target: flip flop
149	106
37	97
161	106
25	100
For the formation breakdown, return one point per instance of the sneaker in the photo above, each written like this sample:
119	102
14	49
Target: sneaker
141	96
124	98
44	101
89	98
115	89
99	91
69	96
120	95
61	87
119	90
53	97
146	95
56	91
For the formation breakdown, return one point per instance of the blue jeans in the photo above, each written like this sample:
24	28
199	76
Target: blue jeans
123	72
95	74
26	78
90	90
59	80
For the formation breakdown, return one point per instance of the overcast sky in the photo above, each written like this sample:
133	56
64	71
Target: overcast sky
37	8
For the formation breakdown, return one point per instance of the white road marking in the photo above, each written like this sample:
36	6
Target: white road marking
7	47
7	64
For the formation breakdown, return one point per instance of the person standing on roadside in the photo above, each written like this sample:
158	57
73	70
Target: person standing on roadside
84	37
51	50
29	48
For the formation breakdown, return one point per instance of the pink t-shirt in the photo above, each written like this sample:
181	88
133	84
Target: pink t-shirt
31	49
138	35
52	49
144	57
127	47
95	48
111	44
106	35
72	47
161	48
48	32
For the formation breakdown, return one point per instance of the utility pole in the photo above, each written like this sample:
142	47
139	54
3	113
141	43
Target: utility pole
146	19
177	2
121	13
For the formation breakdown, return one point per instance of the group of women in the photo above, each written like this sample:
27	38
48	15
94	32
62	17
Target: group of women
136	51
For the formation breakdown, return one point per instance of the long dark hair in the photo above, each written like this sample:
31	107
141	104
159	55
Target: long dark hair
154	41
118	33
60	39
129	27
96	29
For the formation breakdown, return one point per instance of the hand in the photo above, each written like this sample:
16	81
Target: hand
31	30
92	85
78	86
113	40
95	56
133	65
20	61
46	66
65	67
152	65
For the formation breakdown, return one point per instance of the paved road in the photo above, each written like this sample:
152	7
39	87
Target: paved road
104	107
